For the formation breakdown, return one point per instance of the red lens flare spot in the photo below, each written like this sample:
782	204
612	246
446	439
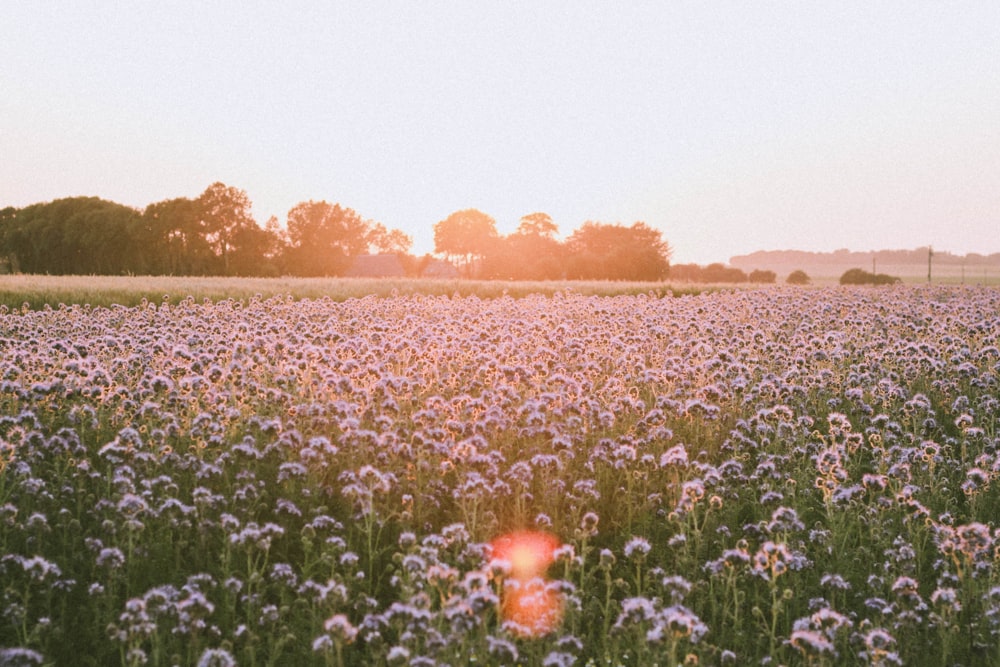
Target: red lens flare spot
529	553
529	606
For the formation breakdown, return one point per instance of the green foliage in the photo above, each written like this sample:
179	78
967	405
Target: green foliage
213	234
79	235
310	483
862	277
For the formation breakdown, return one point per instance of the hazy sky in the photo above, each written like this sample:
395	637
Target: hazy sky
731	127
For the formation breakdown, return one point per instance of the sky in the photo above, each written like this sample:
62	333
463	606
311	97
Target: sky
729	126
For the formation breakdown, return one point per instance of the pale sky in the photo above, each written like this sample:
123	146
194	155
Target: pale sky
731	127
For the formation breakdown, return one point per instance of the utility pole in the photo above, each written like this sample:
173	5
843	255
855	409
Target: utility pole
930	253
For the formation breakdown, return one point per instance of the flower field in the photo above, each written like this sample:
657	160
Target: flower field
775	476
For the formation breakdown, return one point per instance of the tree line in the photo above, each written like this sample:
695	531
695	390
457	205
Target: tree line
212	234
720	273
216	234
594	251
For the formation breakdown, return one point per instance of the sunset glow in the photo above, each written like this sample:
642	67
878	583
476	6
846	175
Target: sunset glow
811	126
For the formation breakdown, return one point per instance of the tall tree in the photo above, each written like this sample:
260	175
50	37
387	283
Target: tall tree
538	225
465	236
8	258
385	240
530	253
171	239
275	247
616	252
229	226
323	237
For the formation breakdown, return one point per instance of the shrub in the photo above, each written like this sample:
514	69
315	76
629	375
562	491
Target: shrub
761	276
798	277
862	277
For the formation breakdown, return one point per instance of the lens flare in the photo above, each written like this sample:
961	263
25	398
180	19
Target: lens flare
532	608
529	605
529	553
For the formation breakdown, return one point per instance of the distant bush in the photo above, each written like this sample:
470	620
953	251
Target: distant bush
713	273
798	277
862	277
761	276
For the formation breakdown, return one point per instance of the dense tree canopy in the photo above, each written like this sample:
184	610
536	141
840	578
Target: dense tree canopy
530	253
78	235
216	234
465	236
618	252
226	219
212	234
322	237
762	276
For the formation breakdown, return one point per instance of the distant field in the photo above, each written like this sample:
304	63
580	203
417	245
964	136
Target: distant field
38	291
35	292
911	274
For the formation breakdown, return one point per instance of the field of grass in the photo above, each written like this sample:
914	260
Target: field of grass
771	476
20	291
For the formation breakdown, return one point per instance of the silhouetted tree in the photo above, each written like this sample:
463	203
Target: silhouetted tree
530	253
689	273
323	237
616	252
228	225
8	259
534	242
171	239
211	235
382	240
464	237
537	225
275	245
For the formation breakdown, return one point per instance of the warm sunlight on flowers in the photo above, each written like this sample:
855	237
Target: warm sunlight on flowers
316	482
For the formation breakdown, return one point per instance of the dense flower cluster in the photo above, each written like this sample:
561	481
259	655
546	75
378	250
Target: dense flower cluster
783	476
